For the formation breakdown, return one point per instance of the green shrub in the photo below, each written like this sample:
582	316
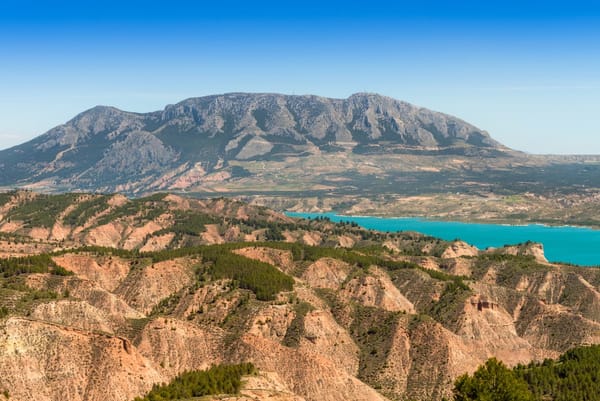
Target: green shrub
61	271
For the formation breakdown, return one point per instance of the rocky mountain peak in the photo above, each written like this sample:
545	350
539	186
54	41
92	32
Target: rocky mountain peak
100	147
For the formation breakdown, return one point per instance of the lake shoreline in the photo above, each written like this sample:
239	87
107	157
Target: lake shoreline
562	244
504	222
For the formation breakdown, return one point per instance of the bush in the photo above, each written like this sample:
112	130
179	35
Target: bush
61	271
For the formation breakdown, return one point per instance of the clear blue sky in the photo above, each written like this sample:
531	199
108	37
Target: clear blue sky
527	72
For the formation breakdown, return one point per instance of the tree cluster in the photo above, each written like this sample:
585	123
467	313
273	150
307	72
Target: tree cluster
575	376
42	211
263	279
42	263
219	379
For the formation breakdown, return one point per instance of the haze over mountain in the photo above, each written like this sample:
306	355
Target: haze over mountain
212	139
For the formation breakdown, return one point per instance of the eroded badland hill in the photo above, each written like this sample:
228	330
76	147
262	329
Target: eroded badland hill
101	297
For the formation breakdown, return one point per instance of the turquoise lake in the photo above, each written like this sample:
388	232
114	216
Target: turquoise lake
578	245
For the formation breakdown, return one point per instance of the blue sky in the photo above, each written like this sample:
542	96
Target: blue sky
529	73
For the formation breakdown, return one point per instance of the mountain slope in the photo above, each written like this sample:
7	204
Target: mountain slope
216	138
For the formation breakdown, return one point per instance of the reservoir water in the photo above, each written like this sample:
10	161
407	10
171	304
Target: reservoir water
577	245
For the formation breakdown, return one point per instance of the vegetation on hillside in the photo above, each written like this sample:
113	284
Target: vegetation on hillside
295	330
510	268
219	379
188	223
86	210
5	197
148	208
42	211
42	263
448	308
493	381
263	279
373	331
230	293
575	376
217	262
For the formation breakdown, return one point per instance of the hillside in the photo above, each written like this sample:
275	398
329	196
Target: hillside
149	288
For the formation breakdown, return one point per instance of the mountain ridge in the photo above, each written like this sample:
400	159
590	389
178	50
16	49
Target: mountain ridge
105	148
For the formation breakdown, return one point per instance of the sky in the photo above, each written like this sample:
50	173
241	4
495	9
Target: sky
526	72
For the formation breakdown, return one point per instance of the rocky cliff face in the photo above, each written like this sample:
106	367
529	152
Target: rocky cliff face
213	138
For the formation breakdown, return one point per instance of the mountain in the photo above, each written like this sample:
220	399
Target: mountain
236	140
102	297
